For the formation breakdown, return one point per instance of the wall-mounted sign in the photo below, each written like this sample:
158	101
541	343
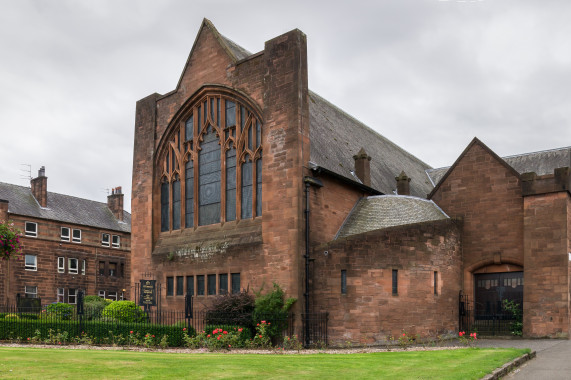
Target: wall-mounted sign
148	293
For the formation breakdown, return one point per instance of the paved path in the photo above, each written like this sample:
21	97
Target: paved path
553	360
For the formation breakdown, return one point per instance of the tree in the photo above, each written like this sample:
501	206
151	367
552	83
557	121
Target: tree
9	247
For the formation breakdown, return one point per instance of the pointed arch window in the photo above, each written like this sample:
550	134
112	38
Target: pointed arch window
212	166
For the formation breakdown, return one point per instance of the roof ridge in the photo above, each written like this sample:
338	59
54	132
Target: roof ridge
313	93
536	152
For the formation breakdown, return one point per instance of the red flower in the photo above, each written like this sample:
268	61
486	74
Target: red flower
225	332
260	336
258	324
239	330
153	336
219	337
229	345
28	338
263	321
403	334
208	336
215	331
184	329
130	332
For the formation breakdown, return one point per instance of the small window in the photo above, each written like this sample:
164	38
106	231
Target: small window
211	284
112	296
116	241
31	262
61	264
223	283
102	294
170	286
72	296
200	285
435	283
190	285
72	266
60	295
113	269
76	238
343	281
105	240
64	234
31	291
235	278
180	285
102	268
31	229
395	282
83	267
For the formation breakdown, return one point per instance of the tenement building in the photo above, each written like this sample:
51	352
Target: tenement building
68	244
242	177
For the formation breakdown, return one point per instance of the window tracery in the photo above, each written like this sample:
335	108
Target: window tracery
211	167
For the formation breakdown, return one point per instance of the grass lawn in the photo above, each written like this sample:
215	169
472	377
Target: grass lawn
38	363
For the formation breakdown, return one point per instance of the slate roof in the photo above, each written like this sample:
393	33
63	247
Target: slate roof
63	208
543	162
336	137
383	211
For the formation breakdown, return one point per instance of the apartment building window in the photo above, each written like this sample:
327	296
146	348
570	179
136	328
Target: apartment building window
223	283
61	264
83	266
190	285
72	296
60	295
343	281
200	285
435	283
235	278
102	294
211	284
76	236
102	268
179	285
64	234
170	286
395	282
116	241
31	229
112	269
72	266
112	296
31	291
105	239
31	262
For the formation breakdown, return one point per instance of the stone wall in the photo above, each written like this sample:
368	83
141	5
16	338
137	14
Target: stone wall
369	312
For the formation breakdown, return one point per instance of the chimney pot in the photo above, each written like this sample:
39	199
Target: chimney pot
403	184
115	202
39	187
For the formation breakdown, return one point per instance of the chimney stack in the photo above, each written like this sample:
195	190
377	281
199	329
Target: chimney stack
40	187
363	167
115	203
403	184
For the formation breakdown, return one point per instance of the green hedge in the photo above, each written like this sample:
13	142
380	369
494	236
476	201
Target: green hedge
95	332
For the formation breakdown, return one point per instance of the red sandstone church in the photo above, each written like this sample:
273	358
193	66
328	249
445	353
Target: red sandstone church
229	163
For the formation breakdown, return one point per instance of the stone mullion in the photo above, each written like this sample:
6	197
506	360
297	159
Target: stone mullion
222	139
182	176
239	148
196	130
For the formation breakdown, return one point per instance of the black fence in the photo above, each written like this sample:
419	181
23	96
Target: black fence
99	322
493	324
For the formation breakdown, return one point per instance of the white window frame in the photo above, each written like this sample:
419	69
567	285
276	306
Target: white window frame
61	264
65	235
72	296
70	267
112	296
31	291
31	267
105	240
118	243
29	232
102	294
73	238
83	266
60	295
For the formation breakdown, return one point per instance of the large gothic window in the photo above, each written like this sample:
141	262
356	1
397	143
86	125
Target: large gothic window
212	166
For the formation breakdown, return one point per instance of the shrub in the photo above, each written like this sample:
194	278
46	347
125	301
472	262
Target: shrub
273	309
125	311
60	310
514	309
231	309
93	306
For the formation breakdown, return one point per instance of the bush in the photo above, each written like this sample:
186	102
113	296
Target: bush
60	310
231	309
124	311
272	309
514	309
93	306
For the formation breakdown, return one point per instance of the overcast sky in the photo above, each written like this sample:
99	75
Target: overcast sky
427	74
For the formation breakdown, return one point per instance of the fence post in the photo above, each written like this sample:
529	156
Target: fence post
80	310
188	309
